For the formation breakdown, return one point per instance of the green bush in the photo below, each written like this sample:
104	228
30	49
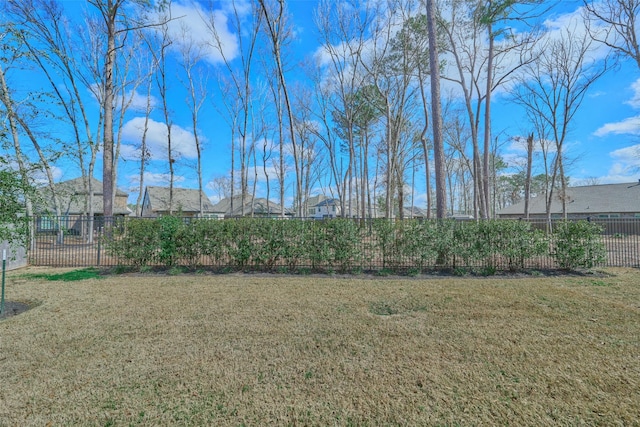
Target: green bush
348	245
386	243
578	244
170	227
344	248
512	241
137	243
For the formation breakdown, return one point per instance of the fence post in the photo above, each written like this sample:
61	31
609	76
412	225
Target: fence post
4	267
98	254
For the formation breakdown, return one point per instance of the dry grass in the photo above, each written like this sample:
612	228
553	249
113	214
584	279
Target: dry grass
258	350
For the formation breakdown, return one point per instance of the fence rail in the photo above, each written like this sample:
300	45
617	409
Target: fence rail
80	242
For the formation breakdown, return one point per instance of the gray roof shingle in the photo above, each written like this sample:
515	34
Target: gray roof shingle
184	199
586	200
259	206
72	193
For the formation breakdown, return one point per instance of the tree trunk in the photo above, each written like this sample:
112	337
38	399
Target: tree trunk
436	114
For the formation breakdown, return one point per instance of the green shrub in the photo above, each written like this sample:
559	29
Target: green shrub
578	244
170	227
348	245
387	244
512	241
345	240
136	243
317	245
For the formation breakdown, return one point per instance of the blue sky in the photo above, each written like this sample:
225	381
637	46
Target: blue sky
604	139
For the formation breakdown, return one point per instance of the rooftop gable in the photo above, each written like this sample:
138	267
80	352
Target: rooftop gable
184	199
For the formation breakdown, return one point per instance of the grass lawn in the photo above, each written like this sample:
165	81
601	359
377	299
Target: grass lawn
281	350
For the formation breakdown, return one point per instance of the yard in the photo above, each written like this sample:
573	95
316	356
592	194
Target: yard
307	350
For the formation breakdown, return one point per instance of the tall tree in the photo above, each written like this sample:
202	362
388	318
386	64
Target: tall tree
553	88
344	28
436	113
51	42
237	85
486	56
275	16
195	82
118	20
159	46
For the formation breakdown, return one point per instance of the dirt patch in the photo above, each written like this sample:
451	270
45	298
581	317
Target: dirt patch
13	308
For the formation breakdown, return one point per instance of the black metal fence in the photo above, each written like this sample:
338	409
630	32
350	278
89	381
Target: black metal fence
79	241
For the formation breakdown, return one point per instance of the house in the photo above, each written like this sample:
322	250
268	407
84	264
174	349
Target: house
74	198
589	201
310	204
75	205
327	208
248	207
185	202
414	212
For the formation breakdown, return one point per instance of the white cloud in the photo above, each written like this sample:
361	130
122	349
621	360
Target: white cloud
628	157
635	100
39	176
625	167
153	178
629	126
182	140
519	145
195	24
139	101
259	172
135	99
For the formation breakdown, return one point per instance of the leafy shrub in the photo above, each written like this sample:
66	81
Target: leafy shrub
347	245
512	241
170	227
136	243
344	243
578	244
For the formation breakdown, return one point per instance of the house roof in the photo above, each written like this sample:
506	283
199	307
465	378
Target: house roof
184	199
260	206
72	194
76	186
328	202
314	200
586	200
415	212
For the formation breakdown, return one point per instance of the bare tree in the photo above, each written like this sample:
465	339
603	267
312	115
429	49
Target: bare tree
159	47
527	181
237	86
619	18
49	38
22	116
118	22
6	100
343	31
145	154
553	88
481	66
275	17
195	82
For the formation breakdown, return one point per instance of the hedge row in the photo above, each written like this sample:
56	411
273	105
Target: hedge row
350	245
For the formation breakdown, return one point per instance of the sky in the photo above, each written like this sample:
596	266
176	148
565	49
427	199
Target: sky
604	140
